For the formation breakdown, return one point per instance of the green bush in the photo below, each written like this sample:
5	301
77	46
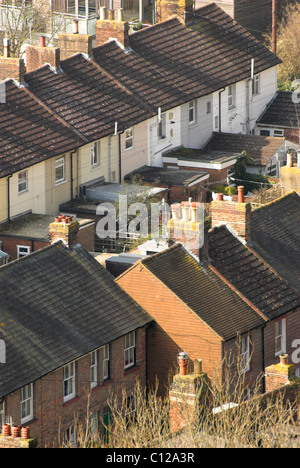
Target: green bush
231	190
219	189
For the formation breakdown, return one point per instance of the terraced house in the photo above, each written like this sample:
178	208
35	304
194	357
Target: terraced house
122	104
73	340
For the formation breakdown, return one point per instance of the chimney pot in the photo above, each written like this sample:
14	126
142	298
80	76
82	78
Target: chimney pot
75	26
289	160
42	41
241	196
220	196
111	15
298	159
6	44
120	15
102	13
284	359
198	366
182	360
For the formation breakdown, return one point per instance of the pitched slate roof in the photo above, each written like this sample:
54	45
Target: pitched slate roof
29	132
203	291
253	277
275	236
171	63
56	306
259	148
281	112
87	98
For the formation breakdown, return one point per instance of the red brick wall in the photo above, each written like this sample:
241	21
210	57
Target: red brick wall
36	57
292	333
11	67
86	238
177	328
237	215
71	44
106	29
52	416
9	245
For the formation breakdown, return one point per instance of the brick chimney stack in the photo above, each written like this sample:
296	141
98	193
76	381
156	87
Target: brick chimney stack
278	375
112	28
64	228
187	226
37	56
182	8
236	214
187	392
11	67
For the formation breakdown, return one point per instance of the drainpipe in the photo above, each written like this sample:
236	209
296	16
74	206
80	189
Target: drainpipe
110	157
71	169
8	197
220	110
120	159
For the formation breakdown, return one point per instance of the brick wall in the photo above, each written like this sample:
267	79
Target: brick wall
176	329
36	57
52	416
16	442
237	215
11	67
71	44
168	8
106	30
292	333
10	245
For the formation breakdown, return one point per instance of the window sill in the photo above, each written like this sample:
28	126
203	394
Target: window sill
70	401
131	369
57	184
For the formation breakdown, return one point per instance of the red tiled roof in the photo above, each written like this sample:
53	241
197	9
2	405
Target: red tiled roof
259	148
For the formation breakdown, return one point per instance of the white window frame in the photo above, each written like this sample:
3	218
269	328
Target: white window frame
106	358
22	181
161	127
23	250
280	337
95	154
60	163
232	96
208	107
69	381
70	437
256	85
193	112
93	369
245	354
129	351
26	403
130	409
129	138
